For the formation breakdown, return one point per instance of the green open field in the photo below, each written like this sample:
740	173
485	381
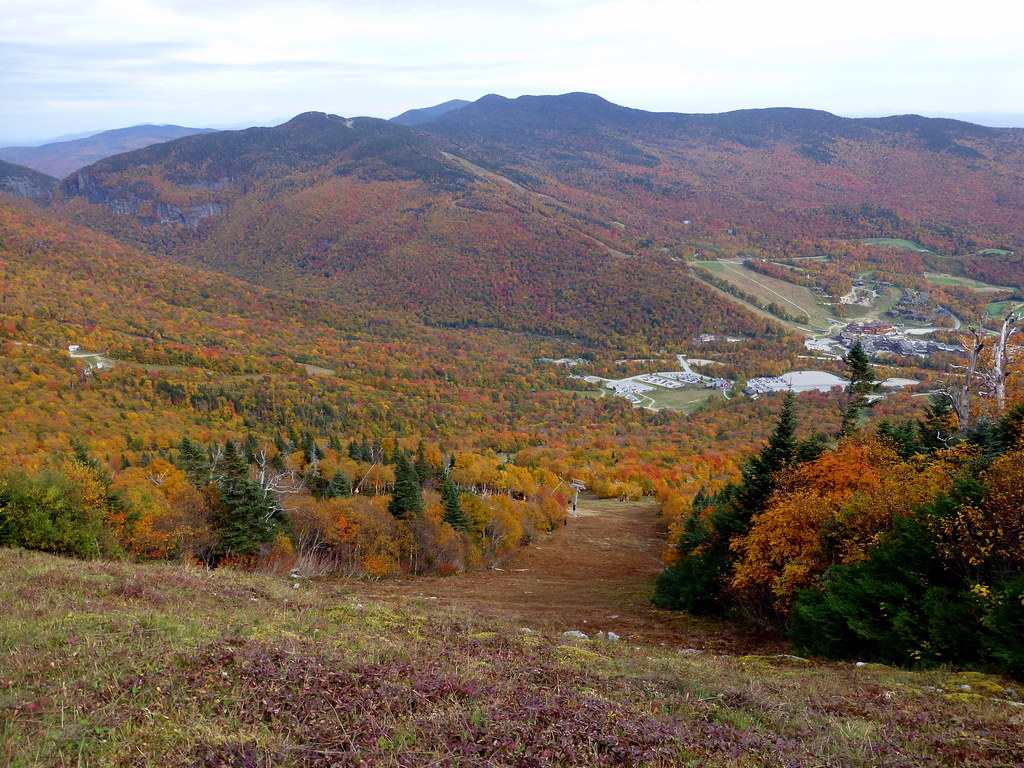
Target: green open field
712	266
884	303
942	279
750	307
897	242
1000	308
685	399
795	299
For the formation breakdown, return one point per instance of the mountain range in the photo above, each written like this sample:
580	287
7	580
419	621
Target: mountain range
559	215
60	158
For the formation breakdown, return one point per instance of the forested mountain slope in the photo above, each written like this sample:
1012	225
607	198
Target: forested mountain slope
785	173
562	215
368	213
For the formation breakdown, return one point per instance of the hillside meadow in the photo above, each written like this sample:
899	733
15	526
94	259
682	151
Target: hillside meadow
117	664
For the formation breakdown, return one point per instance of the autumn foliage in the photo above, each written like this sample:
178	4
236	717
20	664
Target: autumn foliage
904	552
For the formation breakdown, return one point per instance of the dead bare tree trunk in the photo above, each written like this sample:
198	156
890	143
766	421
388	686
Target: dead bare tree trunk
996	377
960	394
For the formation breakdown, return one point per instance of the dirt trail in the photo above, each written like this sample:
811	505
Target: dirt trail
594	574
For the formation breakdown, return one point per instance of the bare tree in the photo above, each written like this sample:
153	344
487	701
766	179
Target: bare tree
986	374
960	393
995	377
275	485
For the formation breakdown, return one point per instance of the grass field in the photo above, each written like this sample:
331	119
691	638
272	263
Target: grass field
119	665
941	279
685	399
795	299
750	307
897	242
887	301
712	266
1000	308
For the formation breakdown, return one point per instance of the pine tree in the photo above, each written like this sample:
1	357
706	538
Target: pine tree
250	447
310	448
423	469
407	496
245	517
862	384
759	472
193	462
938	426
696	582
340	486
454	514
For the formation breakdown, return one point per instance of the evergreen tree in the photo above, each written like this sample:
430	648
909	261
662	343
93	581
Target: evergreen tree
937	428
340	486
365	451
695	583
354	452
334	442
310	448
454	514
193	462
904	436
250	447
423	469
758	474
81	454
245	516
407	496
862	384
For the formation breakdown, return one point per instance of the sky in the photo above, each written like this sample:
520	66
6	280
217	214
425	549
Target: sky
70	66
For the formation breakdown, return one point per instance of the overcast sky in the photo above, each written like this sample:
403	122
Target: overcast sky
68	66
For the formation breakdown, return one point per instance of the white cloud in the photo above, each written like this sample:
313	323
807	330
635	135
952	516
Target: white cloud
74	64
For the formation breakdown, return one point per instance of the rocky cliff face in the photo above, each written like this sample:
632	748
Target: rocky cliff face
142	201
19	181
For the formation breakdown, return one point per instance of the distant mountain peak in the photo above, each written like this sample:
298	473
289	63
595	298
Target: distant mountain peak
412	117
61	158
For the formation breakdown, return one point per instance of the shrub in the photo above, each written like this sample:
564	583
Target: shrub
1005	625
899	606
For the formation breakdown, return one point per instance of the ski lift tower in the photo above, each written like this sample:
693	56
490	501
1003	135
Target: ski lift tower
579	487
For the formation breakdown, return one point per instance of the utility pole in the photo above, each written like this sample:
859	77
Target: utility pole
579	487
